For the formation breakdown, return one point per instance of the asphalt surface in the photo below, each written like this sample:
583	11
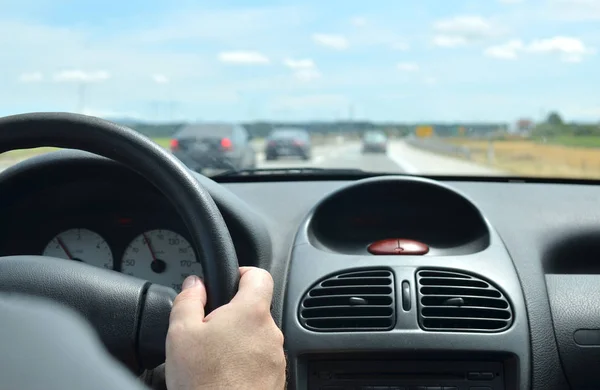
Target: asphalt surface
400	158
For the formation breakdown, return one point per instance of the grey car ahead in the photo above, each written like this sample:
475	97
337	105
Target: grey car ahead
374	141
285	142
214	146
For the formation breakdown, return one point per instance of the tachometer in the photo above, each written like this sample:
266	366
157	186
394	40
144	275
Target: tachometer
162	257
81	245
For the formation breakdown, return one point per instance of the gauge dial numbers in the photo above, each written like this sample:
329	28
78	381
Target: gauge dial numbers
81	245
161	256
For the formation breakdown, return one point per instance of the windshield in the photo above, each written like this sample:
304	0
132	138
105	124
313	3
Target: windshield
461	87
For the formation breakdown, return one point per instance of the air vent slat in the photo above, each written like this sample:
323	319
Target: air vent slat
356	282
365	274
352	301
356	311
332	301
452	282
452	301
443	274
440	300
349	325
472	291
464	312
464	325
353	290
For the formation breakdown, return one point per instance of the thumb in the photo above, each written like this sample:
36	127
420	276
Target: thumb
189	304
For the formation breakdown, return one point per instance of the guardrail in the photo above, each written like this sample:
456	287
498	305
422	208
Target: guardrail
437	145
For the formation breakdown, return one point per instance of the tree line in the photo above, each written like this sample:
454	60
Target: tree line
262	129
554	126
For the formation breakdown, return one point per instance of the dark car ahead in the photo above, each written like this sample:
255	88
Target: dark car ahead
374	141
288	142
214	146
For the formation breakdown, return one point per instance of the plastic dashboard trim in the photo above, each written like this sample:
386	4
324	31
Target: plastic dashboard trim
309	263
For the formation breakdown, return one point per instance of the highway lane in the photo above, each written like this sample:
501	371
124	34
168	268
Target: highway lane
400	158
346	155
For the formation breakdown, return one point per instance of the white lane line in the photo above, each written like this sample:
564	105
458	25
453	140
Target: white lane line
403	164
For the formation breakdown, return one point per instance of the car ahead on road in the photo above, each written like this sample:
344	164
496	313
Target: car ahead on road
374	141
286	142
214	146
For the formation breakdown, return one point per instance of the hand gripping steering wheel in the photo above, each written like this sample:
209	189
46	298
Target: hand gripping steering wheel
131	315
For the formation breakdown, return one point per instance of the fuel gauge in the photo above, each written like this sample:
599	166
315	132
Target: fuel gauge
81	245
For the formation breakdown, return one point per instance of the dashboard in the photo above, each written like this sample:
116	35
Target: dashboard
505	297
108	221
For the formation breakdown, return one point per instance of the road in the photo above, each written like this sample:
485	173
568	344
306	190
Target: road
400	158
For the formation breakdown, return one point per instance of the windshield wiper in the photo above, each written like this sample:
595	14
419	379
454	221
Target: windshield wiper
289	171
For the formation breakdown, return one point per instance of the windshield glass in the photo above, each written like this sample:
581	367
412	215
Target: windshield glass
461	87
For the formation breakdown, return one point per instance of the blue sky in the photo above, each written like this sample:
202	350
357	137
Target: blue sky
425	60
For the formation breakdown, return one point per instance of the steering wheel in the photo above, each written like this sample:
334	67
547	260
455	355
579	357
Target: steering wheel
131	315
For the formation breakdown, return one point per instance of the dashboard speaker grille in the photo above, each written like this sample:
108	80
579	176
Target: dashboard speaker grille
453	301
350	302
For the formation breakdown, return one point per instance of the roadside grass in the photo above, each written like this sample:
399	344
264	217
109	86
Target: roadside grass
579	141
564	157
14	156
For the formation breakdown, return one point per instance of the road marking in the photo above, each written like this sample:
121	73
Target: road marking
404	165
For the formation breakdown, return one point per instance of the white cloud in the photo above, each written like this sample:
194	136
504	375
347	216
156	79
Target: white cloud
358	21
303	69
77	75
333	41
567	48
407	66
243	57
463	30
506	51
31	77
160	78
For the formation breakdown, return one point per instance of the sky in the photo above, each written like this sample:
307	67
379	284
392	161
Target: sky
234	60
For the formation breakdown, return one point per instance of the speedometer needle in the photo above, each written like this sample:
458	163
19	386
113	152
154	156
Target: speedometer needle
64	247
157	265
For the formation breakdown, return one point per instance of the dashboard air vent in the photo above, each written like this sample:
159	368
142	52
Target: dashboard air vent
453	301
350	302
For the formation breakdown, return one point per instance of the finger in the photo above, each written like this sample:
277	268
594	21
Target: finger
189	304
256	288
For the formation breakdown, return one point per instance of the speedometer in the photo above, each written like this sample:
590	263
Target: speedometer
81	245
162	257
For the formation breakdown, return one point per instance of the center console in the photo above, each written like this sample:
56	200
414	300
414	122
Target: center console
447	317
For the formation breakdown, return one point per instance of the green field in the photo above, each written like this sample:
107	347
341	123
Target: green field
577	141
13	156
164	142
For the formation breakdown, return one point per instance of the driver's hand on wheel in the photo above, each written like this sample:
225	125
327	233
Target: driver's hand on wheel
237	346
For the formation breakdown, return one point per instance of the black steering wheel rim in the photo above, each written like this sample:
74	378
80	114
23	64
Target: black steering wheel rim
208	231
